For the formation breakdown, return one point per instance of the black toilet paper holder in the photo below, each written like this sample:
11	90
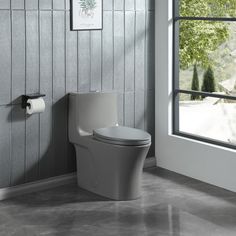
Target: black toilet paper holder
25	98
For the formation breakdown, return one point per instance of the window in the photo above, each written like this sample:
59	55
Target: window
204	80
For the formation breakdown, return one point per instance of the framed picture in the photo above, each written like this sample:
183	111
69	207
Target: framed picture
87	14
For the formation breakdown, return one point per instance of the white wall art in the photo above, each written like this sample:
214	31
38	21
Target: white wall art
87	14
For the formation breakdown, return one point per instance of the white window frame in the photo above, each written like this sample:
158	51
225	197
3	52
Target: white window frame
207	162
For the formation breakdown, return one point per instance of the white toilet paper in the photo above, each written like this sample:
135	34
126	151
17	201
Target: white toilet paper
36	106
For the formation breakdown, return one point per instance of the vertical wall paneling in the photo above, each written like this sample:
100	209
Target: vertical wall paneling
150	117
119	50
150	50
5	158
39	53
47	158
139	109
45	4
18	88
84	61
47	161
150	74
71	78
129	109
5	57
118	5
32	86
140	5
58	55
32	52
60	100
60	136
46	54
58	4
68	2
71	57
18	4
120	98
17	145
18	55
140	51
129	50
32	148
5	4
107	61
96	60
129	5
31	4
107	5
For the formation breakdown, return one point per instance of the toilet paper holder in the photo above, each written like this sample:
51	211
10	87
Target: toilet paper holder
25	98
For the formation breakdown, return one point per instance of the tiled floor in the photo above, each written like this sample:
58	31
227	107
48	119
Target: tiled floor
171	204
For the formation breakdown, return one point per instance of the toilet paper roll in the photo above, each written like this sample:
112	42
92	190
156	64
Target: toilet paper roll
35	106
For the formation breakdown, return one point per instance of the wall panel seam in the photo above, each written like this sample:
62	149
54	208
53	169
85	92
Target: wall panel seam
25	92
135	22
113	47
10	145
65	41
65	57
77	38
90	60
102	46
39	120
78	62
53	141
123	11
145	72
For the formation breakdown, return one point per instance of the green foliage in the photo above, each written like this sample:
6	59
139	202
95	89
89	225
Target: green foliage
195	83
208	84
208	8
199	39
88	4
222	8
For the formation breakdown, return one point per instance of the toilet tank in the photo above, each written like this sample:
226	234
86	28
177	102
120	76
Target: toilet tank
89	111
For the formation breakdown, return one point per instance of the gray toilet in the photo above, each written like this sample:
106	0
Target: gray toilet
110	157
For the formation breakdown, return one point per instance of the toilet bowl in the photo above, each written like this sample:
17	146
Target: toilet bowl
109	157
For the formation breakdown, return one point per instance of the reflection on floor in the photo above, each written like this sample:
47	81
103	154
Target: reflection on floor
171	204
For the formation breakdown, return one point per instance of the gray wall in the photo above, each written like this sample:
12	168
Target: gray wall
39	53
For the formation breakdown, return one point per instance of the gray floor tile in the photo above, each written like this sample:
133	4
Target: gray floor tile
171	205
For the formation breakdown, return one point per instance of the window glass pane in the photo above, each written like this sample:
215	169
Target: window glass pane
210	118
207	57
207	8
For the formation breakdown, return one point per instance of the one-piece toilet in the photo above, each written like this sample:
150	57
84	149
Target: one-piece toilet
110	157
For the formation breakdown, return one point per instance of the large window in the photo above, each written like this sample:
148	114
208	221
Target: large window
204	101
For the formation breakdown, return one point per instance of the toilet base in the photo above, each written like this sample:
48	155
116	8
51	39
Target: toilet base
112	171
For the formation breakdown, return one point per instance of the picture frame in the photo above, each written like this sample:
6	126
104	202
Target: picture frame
86	14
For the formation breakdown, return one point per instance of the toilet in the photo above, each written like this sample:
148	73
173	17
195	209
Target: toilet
109	157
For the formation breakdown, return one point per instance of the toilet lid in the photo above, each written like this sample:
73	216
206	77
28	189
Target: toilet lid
121	135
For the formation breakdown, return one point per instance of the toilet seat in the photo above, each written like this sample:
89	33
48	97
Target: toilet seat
120	135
